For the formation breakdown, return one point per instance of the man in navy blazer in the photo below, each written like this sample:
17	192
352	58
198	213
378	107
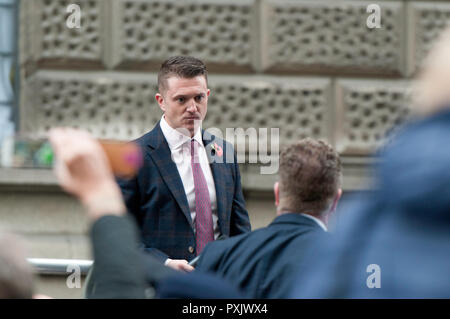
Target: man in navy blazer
264	263
172	197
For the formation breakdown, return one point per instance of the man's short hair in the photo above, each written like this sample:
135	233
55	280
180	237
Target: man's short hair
16	277
182	67
310	176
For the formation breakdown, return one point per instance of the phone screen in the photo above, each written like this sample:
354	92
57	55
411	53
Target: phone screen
26	153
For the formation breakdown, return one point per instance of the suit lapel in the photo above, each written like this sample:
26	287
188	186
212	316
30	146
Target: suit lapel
219	173
160	152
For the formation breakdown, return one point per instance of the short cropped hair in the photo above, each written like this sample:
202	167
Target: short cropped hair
182	67
310	176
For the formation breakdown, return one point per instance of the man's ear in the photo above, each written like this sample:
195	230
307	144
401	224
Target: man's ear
336	200
208	92
160	99
276	191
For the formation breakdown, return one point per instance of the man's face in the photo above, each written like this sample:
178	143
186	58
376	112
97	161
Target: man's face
184	102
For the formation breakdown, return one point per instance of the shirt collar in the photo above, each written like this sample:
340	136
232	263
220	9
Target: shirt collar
317	220
175	138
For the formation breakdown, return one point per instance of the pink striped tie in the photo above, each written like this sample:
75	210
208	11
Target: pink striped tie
203	213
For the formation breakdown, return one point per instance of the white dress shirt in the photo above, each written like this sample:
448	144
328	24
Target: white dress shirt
180	148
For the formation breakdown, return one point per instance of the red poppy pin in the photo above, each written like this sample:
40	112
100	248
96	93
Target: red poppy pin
217	149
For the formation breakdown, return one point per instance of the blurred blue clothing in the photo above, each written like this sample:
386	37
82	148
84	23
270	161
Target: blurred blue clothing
263	263
403	226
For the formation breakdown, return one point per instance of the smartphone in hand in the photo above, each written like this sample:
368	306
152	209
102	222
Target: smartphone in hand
125	158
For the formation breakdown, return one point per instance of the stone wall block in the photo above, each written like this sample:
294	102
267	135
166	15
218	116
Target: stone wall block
109	105
369	112
48	42
58	246
333	37
221	33
41	213
299	107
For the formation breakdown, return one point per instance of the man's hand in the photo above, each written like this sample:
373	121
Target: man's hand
179	264
83	170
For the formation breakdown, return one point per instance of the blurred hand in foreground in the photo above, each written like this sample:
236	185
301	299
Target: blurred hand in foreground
83	170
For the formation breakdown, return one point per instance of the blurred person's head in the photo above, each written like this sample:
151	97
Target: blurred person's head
16	277
431	93
309	179
183	92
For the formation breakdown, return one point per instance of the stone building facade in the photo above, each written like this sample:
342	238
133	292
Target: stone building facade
308	67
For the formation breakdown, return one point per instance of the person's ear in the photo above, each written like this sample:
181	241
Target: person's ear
336	200
160	99
276	191
208	92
